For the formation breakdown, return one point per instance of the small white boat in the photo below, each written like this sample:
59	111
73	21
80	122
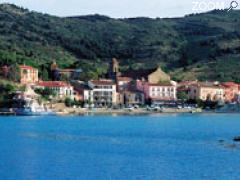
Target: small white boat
30	105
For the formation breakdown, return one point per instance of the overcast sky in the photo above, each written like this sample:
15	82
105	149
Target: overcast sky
120	8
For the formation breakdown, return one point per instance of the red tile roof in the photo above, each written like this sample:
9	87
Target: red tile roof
230	84
161	84
53	84
102	82
124	78
26	67
208	85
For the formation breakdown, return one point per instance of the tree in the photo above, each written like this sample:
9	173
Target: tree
14	73
69	102
181	95
6	90
45	76
46	93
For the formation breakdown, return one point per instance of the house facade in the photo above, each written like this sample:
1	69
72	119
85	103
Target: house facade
62	89
101	93
158	93
123	83
133	97
207	91
153	76
158	76
231	91
28	74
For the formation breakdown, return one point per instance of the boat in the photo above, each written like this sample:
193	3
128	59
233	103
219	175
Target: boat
28	104
28	111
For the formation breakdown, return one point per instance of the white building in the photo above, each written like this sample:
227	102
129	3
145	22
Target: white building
101	93
61	89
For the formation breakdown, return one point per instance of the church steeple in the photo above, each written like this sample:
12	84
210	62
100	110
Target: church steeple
54	66
55	76
115	65
113	71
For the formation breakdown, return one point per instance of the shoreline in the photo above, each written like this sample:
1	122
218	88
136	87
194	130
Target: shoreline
83	111
72	111
135	112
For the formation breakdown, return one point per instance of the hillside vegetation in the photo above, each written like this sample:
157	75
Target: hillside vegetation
203	46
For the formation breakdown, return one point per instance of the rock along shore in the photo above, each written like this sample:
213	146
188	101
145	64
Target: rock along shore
82	111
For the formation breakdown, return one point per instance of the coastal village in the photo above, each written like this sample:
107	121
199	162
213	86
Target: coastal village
151	88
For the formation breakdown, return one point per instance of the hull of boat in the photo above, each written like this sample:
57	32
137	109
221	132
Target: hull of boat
28	112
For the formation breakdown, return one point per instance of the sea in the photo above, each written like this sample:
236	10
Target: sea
111	147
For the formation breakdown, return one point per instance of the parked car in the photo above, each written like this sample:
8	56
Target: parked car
136	106
153	108
130	108
179	107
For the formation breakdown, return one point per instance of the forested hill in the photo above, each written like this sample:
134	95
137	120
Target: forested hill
203	46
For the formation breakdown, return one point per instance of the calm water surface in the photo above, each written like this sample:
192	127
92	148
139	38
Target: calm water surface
121	147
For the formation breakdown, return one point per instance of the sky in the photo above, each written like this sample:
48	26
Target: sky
122	8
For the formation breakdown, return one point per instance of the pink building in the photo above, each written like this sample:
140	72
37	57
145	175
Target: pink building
159	92
231	91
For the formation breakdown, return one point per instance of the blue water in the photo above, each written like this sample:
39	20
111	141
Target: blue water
121	147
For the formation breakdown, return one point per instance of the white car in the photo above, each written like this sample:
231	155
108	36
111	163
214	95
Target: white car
130	108
179	107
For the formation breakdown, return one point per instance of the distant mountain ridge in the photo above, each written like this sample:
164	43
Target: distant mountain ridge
196	46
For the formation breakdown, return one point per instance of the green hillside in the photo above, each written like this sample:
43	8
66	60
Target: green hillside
203	46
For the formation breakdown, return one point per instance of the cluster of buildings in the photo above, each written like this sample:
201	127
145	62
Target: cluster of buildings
225	92
152	86
29	76
128	89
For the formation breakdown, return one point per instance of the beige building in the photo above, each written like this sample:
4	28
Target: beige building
206	91
158	76
153	76
28	74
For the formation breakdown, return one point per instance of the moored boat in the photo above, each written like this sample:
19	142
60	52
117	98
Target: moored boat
27	104
28	111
